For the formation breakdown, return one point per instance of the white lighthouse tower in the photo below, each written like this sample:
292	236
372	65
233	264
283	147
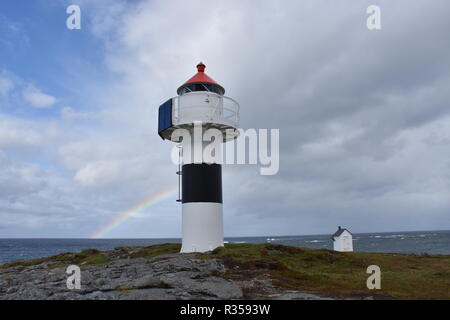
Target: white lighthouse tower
200	101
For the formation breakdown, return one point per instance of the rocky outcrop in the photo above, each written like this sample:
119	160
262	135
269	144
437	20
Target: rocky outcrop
160	272
172	276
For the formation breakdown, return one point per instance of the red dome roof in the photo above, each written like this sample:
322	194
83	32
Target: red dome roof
201	77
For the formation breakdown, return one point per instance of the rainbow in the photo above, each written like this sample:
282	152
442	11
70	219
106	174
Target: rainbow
154	199
123	217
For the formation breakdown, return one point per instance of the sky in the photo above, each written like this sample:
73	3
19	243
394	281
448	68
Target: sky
364	115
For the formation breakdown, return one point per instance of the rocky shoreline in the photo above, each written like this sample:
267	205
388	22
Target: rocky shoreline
167	277
233	272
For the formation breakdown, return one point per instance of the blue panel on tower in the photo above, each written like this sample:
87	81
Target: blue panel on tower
165	117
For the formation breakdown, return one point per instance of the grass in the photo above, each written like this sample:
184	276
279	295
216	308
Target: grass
92	257
87	257
162	285
338	274
124	289
154	250
325	272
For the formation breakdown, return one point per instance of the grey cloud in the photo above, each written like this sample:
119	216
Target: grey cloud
363	115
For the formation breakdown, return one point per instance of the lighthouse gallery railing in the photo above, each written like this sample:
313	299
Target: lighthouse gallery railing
208	107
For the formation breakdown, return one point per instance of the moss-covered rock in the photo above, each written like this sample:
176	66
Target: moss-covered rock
260	270
338	274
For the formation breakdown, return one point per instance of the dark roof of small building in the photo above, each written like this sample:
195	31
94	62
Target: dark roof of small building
339	232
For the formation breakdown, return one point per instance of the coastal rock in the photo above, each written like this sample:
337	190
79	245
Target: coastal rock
296	295
236	271
173	276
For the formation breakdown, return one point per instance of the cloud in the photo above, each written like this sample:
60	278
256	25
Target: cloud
37	98
363	118
68	113
16	133
97	173
346	101
5	85
12	35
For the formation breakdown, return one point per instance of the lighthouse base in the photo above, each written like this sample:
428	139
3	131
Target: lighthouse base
202	226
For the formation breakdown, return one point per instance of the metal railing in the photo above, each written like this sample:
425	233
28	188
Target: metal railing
224	111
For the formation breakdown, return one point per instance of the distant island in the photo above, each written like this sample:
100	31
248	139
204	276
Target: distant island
236	271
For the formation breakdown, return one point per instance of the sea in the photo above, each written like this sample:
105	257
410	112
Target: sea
418	242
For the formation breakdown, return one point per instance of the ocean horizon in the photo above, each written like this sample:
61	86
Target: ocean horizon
409	242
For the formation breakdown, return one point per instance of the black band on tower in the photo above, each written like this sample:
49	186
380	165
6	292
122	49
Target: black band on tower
202	183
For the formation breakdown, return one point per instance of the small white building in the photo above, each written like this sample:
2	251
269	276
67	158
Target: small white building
342	240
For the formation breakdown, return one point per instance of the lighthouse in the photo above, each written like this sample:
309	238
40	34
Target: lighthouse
200	104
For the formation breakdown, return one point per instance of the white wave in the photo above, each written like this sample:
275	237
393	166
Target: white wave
393	236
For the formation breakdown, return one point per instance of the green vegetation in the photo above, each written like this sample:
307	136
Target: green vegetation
92	257
323	272
88	257
124	289
162	284
338	274
150	251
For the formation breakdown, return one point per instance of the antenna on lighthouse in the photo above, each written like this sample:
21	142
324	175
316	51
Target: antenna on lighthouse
200	100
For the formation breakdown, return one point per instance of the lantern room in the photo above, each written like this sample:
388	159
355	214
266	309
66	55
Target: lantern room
199	99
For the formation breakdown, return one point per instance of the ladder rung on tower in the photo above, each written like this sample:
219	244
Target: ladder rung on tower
179	172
